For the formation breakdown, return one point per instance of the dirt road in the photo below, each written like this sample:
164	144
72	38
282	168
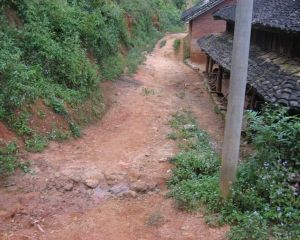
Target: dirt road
111	183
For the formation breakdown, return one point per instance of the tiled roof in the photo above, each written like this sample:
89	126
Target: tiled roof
199	9
274	78
284	15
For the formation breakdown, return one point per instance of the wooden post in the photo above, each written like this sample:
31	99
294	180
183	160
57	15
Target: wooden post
211	65
220	78
252	103
207	63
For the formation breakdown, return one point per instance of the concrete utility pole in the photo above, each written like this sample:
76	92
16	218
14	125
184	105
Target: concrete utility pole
237	89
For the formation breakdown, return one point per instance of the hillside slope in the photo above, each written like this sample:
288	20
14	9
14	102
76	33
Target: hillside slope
54	54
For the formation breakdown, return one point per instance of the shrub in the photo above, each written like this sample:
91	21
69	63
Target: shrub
162	43
180	3
265	197
58	135
57	105
36	143
186	49
62	50
75	129
176	45
8	158
47	57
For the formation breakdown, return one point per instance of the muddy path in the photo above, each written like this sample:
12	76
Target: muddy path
111	183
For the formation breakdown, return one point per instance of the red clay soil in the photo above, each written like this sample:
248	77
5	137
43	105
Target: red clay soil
111	183
46	123
5	135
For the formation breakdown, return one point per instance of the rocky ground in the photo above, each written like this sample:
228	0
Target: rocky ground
111	183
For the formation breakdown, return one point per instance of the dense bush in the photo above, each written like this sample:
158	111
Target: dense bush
180	3
265	198
47	56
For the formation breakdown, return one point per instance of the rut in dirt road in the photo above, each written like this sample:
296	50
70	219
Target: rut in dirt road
111	183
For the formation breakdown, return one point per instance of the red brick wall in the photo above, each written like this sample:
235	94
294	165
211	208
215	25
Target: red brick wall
202	26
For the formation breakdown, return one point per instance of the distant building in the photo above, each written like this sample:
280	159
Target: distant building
274	63
202	23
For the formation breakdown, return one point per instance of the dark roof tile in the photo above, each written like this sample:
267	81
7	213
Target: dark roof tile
283	15
268	79
199	9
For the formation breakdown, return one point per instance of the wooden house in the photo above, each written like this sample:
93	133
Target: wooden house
274	62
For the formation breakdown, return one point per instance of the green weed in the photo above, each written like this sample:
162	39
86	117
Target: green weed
47	57
20	123
186	50
64	49
75	129
176	45
8	158
41	114
58	135
162	43
57	105
36	143
147	91
264	201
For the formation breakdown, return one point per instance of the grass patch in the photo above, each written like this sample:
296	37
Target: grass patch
156	219
36	143
265	201
176	45
162	43
58	135
75	129
9	161
186	49
147	91
8	158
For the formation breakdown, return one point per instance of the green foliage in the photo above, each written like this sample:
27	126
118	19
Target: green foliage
264	199
36	143
136	55
20	123
8	158
75	129
58	135
57	105
47	56
134	58
110	73
61	51
186	50
251	226
180	3
144	11
162	43
276	136
195	165
41	114
176	44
